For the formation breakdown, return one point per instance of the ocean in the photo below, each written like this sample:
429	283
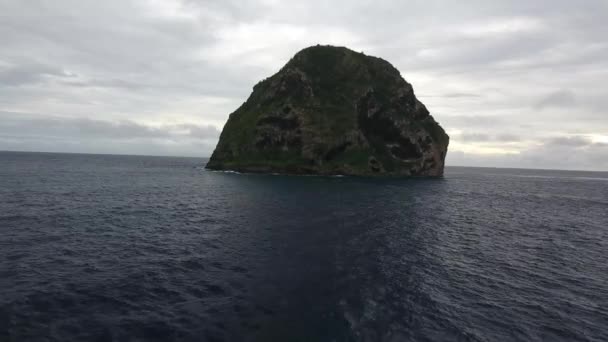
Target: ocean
131	248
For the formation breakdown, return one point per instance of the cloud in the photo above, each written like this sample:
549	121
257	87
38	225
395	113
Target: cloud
575	141
559	99
76	127
557	152
573	153
455	95
502	26
201	132
18	75
99	134
484	137
109	83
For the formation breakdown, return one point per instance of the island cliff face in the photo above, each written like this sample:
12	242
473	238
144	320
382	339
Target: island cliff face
331	110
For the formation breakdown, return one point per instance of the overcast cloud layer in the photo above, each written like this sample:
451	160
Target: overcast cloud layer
515	83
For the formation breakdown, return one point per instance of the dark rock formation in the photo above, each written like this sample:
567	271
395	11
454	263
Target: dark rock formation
331	110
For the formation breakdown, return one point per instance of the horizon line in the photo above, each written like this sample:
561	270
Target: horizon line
207	157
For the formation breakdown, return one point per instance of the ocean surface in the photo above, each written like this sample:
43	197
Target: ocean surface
128	248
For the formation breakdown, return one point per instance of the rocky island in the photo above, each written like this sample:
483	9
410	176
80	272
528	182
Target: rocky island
331	110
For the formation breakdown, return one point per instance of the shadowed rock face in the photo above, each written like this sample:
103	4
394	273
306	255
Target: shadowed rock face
331	110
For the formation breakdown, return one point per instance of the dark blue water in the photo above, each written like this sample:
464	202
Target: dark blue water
121	248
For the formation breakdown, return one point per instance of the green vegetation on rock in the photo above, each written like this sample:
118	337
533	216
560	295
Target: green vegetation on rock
331	110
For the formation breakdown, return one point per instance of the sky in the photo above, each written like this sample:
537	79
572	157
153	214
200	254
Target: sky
514	83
